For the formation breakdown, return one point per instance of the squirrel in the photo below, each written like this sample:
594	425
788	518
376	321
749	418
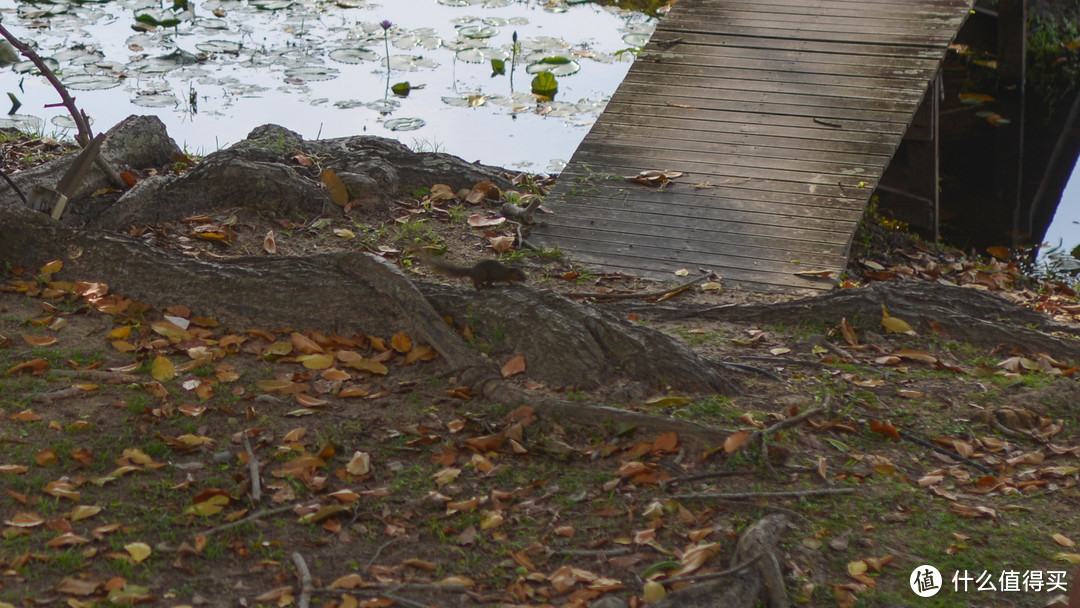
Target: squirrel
482	273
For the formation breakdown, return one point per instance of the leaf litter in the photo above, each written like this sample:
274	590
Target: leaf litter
131	435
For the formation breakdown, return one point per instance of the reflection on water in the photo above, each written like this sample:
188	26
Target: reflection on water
320	69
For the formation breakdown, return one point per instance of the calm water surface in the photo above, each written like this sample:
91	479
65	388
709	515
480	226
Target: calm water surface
319	68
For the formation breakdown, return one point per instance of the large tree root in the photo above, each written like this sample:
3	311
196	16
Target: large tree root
358	292
967	315
763	579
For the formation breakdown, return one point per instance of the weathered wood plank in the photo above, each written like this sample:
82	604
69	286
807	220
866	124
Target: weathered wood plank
677	143
697	162
675	138
747	120
720	78
821	106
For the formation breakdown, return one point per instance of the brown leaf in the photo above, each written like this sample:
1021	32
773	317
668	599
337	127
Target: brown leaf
885	428
849	332
514	366
735	440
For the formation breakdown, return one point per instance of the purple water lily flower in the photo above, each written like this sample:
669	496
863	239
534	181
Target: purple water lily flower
385	23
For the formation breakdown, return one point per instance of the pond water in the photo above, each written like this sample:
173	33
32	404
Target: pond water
1064	230
320	69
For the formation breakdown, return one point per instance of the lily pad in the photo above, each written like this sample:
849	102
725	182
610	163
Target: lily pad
156	100
426	41
311	73
90	82
482	55
219	46
404	124
481	32
353	55
384	106
407	63
637	39
64	121
272	5
28	67
21	122
348	104
557	66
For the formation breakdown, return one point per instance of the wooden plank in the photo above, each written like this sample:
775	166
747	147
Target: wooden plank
682	213
751	194
717	80
897	75
728	77
696	161
921	30
697	226
664	35
765	102
662	263
839	187
717	48
608	131
860	9
924	21
734	166
747	121
883	38
677	142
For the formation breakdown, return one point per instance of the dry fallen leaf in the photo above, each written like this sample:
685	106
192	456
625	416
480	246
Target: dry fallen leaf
514	366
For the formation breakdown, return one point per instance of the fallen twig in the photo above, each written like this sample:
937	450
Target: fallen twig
304	600
252	517
710	575
375	556
13	186
949	453
761	434
64	393
253	468
753	495
97	375
715	474
635	296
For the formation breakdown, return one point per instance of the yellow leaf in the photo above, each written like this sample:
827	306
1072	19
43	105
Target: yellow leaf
138	551
491	521
84	511
368	365
339	193
668	401
163	369
896	326
401	343
1072	558
316	361
1064	541
52	267
211	506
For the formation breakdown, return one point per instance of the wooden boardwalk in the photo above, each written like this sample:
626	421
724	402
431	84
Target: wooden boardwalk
783	114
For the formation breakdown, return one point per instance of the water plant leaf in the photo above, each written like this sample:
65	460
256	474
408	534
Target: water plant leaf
545	84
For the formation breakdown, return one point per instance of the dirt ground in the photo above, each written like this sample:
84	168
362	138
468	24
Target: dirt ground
129	435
